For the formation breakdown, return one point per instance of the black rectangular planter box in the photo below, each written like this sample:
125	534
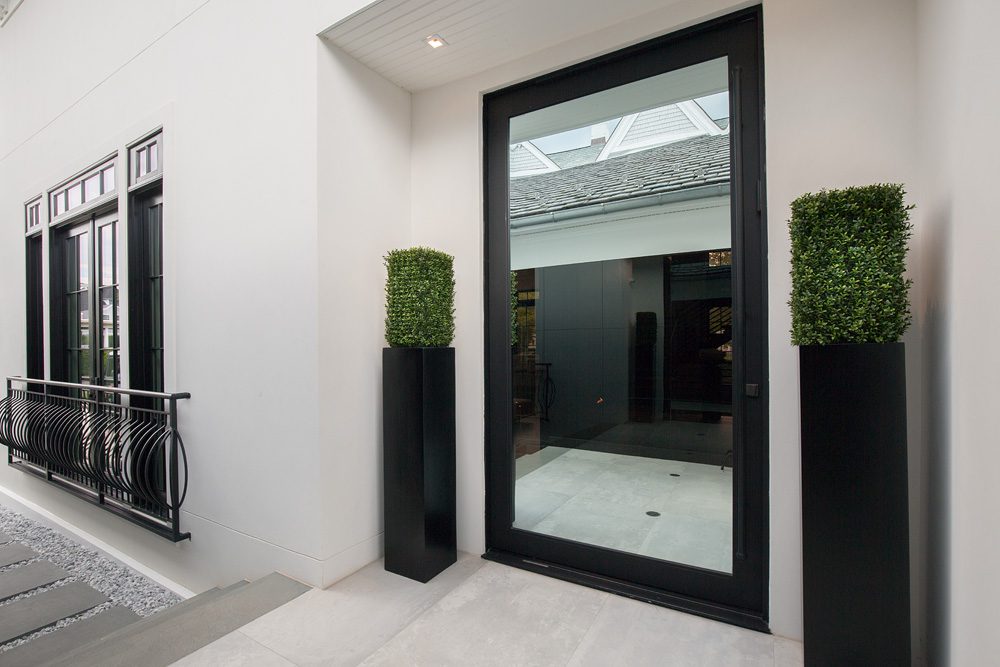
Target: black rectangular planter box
855	527
418	449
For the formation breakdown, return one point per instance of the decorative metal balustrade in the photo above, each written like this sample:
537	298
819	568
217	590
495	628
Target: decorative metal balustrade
117	448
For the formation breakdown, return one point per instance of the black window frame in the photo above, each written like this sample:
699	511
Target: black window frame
145	261
34	291
742	597
90	224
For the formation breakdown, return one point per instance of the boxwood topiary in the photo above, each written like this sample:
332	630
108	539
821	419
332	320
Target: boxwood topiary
419	298
848	259
513	308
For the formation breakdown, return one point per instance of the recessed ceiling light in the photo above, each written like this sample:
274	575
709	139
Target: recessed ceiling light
436	41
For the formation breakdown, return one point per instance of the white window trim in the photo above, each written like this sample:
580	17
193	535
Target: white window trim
28	205
133	148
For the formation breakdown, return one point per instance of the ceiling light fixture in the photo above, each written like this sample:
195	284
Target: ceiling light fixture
436	41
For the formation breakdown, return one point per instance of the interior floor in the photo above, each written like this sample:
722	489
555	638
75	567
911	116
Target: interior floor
671	510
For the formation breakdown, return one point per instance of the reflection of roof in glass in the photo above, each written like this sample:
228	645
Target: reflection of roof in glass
575	157
521	159
701	160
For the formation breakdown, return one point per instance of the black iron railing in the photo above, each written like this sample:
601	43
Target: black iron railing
117	448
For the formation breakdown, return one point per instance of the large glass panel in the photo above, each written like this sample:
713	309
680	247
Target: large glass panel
623	347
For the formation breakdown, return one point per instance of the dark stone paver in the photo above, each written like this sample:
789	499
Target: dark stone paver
29	577
15	552
55	644
32	613
157	642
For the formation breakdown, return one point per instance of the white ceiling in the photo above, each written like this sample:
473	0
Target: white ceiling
388	35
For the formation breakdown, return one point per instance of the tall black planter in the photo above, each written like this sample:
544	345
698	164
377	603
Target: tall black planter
418	450
855	530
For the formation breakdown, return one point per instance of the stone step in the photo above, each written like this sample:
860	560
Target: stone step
27	577
164	638
35	612
15	552
60	642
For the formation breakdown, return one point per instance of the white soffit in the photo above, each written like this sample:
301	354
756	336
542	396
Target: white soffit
389	36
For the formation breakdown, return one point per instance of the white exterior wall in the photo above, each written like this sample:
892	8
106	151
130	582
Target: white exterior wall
250	306
959	94
364	197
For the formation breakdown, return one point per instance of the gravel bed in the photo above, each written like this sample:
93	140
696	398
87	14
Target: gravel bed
121	584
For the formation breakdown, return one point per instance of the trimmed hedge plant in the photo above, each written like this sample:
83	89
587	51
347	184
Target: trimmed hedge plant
419	298
513	309
848	258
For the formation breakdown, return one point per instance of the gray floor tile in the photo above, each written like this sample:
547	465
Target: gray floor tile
15	552
498	616
26	577
38	611
788	653
349	621
76	634
232	650
628	633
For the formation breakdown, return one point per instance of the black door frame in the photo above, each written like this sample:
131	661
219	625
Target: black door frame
740	598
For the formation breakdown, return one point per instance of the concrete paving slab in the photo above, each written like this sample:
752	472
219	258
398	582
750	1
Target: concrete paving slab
32	613
28	577
55	644
15	552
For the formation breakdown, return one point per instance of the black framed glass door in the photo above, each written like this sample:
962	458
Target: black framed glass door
626	342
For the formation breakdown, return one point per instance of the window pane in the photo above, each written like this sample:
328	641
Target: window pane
75	195
72	366
156	312
154	260
108	179
85	366
84	319
108	317
109	367
57	204
154	157
92	187
83	259
140	163
107	251
72	317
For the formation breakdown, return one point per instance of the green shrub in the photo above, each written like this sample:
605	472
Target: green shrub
513	308
419	298
848	259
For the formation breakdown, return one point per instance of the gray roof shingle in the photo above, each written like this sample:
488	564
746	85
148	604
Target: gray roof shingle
576	156
702	160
